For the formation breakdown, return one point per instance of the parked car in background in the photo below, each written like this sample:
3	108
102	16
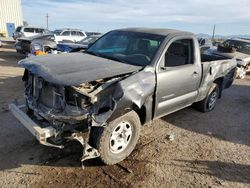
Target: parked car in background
205	44
69	35
46	42
125	79
23	31
238	49
78	46
217	43
92	33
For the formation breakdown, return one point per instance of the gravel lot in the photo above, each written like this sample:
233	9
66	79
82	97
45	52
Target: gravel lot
209	150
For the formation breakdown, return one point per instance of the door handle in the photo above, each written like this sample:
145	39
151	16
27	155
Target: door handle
195	74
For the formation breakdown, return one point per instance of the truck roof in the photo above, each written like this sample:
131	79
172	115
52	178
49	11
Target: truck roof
157	31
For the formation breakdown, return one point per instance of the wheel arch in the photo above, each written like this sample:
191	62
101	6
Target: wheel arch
219	82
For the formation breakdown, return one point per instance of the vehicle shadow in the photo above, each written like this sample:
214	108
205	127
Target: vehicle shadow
12	88
225	171
10	58
229	121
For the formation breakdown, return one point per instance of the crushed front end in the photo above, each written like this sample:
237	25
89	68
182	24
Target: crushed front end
64	112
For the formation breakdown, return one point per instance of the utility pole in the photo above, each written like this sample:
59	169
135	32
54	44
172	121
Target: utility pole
47	20
213	32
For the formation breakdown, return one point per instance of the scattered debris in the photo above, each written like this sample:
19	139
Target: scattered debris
209	133
125	168
5	109
170	137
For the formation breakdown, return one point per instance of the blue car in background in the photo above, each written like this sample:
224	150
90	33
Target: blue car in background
78	46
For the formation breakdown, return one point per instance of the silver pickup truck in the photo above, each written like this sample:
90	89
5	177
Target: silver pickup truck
128	77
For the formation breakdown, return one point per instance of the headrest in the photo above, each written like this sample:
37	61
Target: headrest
176	48
143	44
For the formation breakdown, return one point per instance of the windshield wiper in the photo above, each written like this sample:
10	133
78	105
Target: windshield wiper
113	58
92	53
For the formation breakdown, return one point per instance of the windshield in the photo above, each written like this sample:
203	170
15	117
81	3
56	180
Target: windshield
57	32
127	47
18	29
240	46
88	40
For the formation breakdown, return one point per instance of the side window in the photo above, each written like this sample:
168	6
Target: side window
80	34
29	30
203	42
38	30
66	33
74	33
208	42
18	29
52	37
180	52
227	43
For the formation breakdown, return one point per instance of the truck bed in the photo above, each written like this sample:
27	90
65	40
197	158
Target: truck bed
214	68
211	57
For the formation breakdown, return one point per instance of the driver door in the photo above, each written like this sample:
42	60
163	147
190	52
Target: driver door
178	77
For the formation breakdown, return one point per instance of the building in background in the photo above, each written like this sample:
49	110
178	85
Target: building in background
10	16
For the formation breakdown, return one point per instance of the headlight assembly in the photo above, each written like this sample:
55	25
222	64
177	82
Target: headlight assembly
36	49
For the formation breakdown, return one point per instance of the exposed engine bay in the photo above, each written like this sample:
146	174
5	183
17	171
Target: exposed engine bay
70	110
67	105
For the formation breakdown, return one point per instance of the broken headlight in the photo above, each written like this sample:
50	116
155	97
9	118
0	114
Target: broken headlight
241	63
36	49
76	99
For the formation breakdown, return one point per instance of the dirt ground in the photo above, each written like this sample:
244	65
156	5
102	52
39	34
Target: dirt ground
209	150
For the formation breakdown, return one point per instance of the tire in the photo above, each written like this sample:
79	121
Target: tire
209	103
110	141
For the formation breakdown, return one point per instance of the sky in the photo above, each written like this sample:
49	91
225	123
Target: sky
198	16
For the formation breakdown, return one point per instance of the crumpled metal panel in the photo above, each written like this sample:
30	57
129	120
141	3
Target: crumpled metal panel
134	90
138	87
212	71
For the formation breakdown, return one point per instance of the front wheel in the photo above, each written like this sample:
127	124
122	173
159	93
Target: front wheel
116	141
208	104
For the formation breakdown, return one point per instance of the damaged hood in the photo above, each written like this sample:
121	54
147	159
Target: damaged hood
75	68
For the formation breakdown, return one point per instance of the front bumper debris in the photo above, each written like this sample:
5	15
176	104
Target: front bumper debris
41	134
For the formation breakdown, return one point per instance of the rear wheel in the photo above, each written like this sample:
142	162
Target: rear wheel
116	141
209	103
